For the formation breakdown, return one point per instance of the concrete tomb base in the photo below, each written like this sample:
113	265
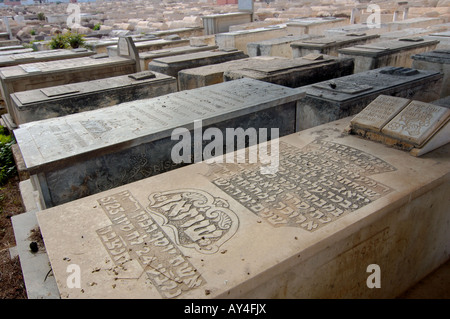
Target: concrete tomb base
387	53
342	218
295	72
85	153
437	60
341	97
40	104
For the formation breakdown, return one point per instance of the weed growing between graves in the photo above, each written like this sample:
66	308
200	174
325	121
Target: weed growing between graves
7	165
68	40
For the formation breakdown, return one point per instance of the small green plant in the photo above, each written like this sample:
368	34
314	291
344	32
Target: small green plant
67	41
41	16
97	27
33	32
59	41
7	164
75	40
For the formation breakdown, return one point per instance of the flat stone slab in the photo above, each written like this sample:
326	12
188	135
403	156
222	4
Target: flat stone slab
341	97
83	153
39	104
146	57
41	56
436	56
171	65
39	280
387	47
150	45
295	72
337	204
52	73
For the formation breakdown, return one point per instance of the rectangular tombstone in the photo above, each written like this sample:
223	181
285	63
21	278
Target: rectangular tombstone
39	104
173	64
146	57
5	43
442	37
46	74
182	32
395	53
15	51
100	46
356	28
437	60
295	72
341	97
276	47
330	45
240	39
52	73
89	152
314	25
220	23
419	22
144	46
43	56
337	204
193	78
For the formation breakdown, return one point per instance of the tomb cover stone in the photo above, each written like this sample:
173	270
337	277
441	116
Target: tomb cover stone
96	143
227	231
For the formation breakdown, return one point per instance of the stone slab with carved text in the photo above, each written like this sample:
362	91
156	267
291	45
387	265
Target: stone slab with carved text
336	204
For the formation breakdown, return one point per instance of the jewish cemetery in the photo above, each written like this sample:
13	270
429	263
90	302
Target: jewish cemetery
225	149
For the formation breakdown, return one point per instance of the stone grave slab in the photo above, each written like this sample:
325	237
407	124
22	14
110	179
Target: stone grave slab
144	46
52	73
314	25
437	60
184	33
42	56
173	64
442	37
337	205
387	53
240	39
356	28
85	153
295	72
330	45
220	23
193	78
19	50
55	101
146	57
276	47
345	96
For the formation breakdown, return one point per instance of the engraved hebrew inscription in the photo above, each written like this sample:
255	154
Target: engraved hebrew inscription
314	186
417	122
197	219
134	234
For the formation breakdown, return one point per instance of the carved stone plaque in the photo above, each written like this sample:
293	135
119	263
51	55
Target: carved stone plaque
417	122
122	45
135	235
379	112
58	90
343	86
314	186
